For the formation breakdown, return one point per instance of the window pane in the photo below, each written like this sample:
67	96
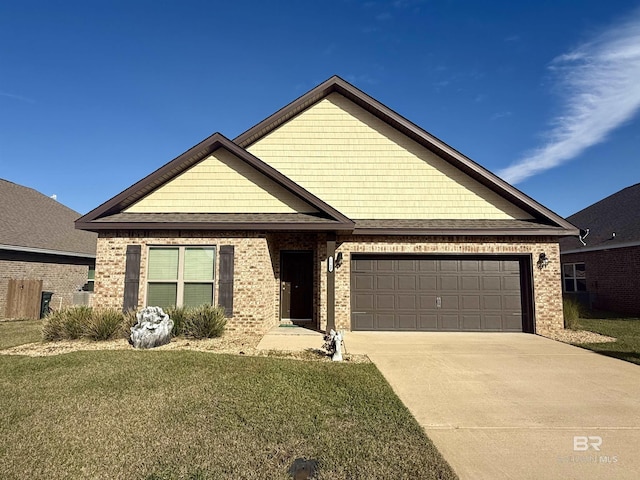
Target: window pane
162	294
199	263
580	270
163	264
197	293
568	285
567	270
581	285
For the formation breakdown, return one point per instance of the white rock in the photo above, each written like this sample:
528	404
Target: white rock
152	329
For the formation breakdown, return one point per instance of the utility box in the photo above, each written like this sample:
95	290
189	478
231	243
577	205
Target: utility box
44	303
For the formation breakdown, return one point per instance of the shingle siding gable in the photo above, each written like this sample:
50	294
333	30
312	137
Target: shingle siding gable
366	169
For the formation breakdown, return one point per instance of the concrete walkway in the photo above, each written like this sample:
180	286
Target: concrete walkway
291	338
510	406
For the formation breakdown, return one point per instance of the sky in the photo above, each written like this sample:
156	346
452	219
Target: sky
96	94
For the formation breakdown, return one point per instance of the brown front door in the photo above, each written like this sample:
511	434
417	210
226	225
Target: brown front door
296	285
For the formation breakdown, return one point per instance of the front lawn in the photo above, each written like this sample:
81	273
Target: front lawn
19	332
626	331
185	414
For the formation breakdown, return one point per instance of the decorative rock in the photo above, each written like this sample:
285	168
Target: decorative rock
152	329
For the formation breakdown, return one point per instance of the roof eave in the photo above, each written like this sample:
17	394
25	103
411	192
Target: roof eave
477	232
46	251
243	226
189	158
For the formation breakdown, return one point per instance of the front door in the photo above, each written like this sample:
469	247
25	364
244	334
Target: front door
296	285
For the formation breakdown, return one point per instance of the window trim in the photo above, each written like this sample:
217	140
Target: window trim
573	277
180	281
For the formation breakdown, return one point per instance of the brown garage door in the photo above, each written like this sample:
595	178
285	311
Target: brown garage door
436	293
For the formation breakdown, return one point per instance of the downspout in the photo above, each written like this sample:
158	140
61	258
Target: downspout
331	281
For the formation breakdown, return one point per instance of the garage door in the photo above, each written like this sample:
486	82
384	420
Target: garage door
436	293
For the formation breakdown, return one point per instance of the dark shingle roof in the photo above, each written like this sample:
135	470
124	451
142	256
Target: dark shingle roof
458	227
29	219
618	213
217	221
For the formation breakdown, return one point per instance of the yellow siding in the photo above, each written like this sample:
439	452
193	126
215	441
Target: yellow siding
221	183
368	170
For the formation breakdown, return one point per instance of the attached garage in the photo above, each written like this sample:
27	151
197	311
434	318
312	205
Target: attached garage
441	293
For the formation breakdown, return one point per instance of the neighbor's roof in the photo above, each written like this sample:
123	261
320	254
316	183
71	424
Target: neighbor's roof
33	222
613	222
109	215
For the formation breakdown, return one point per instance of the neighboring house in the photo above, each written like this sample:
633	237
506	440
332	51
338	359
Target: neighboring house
600	268
333	212
38	242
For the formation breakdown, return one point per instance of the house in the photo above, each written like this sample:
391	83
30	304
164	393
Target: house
40	250
600	268
335	211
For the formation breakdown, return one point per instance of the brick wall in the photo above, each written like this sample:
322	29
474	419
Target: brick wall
254	287
613	282
61	279
257	269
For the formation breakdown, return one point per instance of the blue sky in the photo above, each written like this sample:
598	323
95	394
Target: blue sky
94	95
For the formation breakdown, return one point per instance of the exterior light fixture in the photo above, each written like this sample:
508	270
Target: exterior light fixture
338	260
543	261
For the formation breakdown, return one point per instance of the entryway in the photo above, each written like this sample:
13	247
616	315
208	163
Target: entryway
296	287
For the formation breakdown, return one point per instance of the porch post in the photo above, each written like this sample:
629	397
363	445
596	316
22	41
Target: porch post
331	281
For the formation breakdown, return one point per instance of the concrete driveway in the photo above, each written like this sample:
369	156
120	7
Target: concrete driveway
514	405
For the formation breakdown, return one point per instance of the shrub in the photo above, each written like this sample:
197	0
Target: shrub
179	317
205	321
67	323
104	324
129	319
572	311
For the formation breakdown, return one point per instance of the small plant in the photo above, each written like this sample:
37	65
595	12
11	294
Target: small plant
129	319
104	324
205	321
572	311
67	323
179	317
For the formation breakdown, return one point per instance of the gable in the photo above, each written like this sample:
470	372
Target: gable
221	183
367	169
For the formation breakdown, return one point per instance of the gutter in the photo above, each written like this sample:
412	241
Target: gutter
607	247
45	251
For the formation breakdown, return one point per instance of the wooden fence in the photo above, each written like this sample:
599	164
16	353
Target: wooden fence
23	299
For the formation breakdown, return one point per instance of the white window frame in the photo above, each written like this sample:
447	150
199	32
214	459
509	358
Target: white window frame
180	280
573	277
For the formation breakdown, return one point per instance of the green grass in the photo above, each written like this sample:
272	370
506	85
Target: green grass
626	331
19	332
166	415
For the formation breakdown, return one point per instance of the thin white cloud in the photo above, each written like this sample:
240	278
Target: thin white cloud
601	84
17	97
499	115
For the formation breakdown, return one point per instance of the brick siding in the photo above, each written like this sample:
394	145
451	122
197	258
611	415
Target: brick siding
61	279
612	277
257	269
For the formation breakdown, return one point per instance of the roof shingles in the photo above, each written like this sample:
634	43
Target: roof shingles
612	222
31	220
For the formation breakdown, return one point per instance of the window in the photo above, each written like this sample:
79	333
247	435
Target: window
182	276
91	277
574	277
